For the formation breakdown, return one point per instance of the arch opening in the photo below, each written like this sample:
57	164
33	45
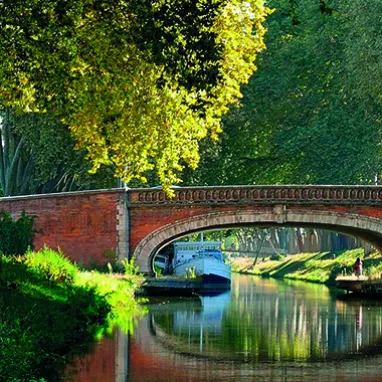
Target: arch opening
366	228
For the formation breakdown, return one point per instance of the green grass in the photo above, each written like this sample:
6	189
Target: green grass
51	265
321	267
50	309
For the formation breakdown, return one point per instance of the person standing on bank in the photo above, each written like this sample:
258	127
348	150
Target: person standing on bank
357	267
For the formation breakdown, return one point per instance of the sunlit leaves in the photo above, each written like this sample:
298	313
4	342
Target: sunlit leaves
138	82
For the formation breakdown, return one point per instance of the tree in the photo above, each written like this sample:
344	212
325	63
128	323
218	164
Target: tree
37	156
312	112
138	82
16	165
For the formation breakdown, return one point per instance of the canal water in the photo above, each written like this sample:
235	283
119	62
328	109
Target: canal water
261	330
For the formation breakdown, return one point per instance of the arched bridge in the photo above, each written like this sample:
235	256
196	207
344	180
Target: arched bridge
98	225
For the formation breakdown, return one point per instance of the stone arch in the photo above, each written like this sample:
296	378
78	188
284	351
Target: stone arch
367	228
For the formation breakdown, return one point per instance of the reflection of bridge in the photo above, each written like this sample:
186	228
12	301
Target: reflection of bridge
94	225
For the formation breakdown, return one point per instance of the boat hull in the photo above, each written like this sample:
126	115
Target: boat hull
215	274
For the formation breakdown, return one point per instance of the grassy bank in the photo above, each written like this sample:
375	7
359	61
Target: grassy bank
321	267
50	309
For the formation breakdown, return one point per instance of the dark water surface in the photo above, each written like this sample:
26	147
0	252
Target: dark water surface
261	330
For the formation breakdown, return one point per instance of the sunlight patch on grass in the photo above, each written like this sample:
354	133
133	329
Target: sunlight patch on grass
319	267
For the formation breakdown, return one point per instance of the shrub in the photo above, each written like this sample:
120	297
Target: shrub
132	276
129	267
158	271
43	321
276	257
18	354
52	265
16	236
191	273
374	271
12	270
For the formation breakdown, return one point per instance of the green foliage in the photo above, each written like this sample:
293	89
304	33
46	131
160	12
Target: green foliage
131	273
117	290
276	257
158	271
16	236
191	273
372	265
37	156
374	271
110	268
16	349
129	267
16	164
312	113
43	321
51	265
57	166
139	83
111	255
12	270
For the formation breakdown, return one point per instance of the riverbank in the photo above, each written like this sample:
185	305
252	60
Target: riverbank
51	310
321	267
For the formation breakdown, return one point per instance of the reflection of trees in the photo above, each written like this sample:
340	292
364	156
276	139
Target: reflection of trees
277	322
274	321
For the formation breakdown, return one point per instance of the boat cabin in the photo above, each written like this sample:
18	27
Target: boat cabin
186	251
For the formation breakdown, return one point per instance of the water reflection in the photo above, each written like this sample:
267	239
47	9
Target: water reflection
272	321
107	362
262	329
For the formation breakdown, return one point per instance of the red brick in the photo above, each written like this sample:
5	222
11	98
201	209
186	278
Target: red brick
83	225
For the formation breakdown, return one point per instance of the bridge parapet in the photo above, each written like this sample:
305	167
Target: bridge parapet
259	195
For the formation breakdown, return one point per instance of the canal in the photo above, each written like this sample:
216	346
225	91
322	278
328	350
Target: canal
261	330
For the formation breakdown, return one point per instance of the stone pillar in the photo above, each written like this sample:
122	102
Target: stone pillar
122	227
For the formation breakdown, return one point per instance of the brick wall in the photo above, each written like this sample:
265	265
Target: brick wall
84	225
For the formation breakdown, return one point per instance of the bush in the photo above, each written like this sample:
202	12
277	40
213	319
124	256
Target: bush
129	267
276	257
51	265
158	271
12	270
43	320
16	236
131	271
191	273
41	324
18	354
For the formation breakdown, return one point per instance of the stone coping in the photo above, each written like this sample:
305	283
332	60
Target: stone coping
246	194
296	194
62	194
334	186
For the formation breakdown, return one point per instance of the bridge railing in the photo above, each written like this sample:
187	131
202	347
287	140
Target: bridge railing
259	195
